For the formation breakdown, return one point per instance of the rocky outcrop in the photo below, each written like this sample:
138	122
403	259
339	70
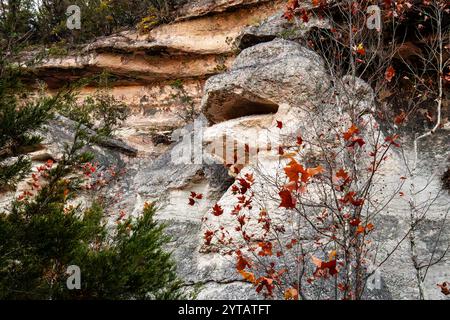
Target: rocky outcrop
144	66
262	78
242	97
258	79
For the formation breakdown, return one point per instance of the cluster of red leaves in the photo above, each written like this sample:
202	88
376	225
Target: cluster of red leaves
291	8
208	237
350	198
341	180
193	197
265	282
89	168
324	269
121	216
298	177
35	183
351	136
266	249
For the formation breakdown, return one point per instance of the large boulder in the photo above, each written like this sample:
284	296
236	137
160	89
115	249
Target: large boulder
262	78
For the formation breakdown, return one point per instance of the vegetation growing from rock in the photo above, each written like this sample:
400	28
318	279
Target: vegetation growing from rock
45	229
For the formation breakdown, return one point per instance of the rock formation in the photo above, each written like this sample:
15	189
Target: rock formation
242	96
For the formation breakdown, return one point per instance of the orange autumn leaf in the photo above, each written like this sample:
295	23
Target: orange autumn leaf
248	276
293	170
315	171
266	249
332	255
390	73
291	294
350	132
365	229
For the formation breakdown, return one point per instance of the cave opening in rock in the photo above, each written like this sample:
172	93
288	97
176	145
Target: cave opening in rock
239	106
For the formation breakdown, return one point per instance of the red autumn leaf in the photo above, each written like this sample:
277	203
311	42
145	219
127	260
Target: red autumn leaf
391	140
299	140
350	198
445	288
241	220
280	151
279	124
49	163
237	208
208	237
194	196
264	282
399	119
242	263
245	185
304	16
355	222
357	141
217	210
390	73
342	174
360	49
288	15
291	244
287	201
266	249
350	132
323	266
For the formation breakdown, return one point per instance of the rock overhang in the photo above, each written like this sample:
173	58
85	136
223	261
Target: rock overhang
263	77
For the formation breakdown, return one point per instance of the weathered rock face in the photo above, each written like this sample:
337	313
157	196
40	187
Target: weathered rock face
200	43
263	73
262	78
271	80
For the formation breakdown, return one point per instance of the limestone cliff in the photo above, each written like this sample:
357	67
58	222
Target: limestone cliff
242	93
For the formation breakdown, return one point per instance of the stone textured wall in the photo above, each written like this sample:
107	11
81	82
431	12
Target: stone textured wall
269	80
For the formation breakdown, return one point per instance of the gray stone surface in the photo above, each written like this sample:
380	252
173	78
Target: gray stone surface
263	77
